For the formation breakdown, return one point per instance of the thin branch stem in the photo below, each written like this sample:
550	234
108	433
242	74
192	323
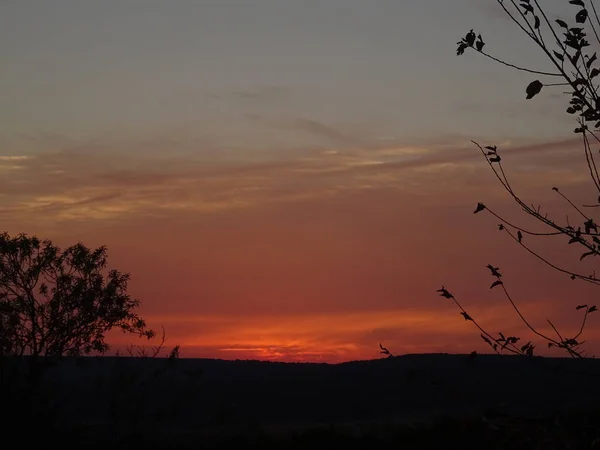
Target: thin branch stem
552	265
523	69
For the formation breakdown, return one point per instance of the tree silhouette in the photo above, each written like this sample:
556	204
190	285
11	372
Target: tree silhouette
60	302
565	44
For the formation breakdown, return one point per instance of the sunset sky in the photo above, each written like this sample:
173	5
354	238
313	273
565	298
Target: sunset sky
290	180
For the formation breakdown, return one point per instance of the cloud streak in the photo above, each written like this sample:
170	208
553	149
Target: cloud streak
69	181
314	253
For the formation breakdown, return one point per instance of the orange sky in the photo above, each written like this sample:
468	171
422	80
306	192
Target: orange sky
314	255
291	180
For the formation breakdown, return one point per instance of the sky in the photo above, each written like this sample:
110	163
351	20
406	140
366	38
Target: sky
289	180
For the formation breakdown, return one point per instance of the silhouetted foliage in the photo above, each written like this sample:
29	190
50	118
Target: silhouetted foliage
55	303
61	303
139	351
565	43
385	351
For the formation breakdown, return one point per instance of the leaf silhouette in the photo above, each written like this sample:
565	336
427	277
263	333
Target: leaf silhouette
470	38
444	292
525	347
494	270
479	44
581	16
593	252
591	60
592	309
562	23
533	89
519	236
578	307
486	339
496	283
480	207
466	316
536	24
590	225
527	7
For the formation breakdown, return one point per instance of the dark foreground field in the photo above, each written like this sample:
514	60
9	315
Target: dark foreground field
412	401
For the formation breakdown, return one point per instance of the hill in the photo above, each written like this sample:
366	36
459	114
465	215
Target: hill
204	397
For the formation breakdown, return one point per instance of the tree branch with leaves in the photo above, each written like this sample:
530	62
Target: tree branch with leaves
566	46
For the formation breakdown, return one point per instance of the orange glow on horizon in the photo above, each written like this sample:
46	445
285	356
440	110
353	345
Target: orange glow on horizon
341	337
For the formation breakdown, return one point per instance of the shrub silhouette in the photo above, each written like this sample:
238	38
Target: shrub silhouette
565	43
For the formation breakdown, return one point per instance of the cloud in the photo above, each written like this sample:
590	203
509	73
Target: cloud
314	128
315	253
104	182
14	158
261	94
320	130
